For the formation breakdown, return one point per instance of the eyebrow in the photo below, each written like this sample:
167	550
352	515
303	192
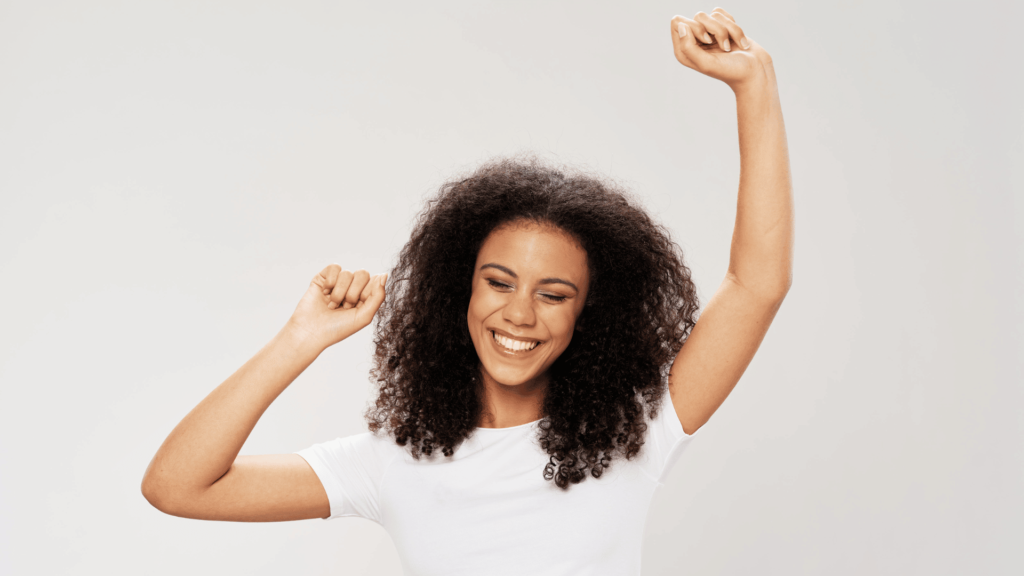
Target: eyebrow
542	280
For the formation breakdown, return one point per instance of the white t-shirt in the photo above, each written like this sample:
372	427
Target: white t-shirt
488	510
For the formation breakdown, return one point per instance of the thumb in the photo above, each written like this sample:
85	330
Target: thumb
367	308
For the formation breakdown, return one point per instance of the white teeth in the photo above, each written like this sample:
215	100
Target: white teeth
514	345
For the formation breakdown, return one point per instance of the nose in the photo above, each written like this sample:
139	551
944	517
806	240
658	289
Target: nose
519	310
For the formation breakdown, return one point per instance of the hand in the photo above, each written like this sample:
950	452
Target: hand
717	47
337	304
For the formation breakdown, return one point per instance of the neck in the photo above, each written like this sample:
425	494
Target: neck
505	406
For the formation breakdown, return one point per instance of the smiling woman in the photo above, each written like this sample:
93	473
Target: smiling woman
518	253
539	330
520	323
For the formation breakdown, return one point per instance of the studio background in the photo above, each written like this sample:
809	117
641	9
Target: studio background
174	173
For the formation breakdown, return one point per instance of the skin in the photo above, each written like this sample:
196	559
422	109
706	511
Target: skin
735	320
197	472
529	284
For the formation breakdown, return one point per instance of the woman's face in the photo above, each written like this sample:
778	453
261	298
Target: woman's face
529	286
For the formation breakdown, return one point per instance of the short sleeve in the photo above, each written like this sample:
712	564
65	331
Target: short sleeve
665	441
351	470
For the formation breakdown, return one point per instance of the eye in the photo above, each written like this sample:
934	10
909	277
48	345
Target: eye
552	297
499	285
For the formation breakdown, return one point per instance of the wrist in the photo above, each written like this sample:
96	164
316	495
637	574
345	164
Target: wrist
300	339
758	85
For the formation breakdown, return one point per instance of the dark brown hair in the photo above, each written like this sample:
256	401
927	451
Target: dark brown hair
640	309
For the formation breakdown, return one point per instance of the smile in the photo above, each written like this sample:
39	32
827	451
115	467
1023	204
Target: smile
512	345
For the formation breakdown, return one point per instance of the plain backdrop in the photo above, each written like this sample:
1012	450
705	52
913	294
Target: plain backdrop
174	173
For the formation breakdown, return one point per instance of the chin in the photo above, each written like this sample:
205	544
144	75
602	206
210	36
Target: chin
511	377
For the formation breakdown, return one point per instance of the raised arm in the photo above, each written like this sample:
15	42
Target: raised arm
197	472
735	320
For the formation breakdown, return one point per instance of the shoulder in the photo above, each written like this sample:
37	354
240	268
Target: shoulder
664	440
351	469
372	453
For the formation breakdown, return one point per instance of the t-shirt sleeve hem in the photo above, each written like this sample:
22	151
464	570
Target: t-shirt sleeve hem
335	493
682	439
673	419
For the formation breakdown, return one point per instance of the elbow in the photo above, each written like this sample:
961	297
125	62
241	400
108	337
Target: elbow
153	494
160	497
775	288
171	493
779	291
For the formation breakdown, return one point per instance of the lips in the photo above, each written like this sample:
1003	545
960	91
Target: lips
511	345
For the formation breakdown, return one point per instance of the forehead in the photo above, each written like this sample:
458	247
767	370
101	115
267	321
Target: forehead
533	248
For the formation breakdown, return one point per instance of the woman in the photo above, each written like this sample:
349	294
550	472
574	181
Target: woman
534	323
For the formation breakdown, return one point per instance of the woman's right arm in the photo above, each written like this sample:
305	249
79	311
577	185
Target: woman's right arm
197	472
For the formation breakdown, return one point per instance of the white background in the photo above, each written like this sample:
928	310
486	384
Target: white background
173	174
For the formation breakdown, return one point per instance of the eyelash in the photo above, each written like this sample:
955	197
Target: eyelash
548	297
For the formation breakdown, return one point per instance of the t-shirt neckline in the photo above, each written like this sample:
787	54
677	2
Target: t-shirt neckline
510	427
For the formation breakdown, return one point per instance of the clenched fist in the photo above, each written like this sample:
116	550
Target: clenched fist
716	46
337	304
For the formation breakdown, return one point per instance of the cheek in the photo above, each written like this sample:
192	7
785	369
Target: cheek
561	325
480	307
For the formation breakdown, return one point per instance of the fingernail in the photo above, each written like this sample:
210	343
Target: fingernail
331	305
326	291
725	44
746	44
707	38
681	29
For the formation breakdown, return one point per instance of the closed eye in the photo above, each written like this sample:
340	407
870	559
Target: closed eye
552	297
498	285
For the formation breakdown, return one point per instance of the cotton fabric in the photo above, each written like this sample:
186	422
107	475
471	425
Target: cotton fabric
488	510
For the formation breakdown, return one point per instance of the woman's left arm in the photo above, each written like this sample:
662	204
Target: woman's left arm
735	320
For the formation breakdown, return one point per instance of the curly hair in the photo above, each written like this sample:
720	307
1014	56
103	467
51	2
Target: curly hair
634	321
